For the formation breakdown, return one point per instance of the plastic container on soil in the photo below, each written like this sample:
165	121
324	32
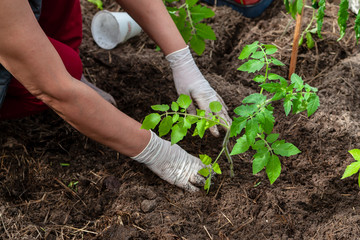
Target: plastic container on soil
354	6
248	8
112	28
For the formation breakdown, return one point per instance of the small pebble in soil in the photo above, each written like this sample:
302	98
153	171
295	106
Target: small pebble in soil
148	205
149	194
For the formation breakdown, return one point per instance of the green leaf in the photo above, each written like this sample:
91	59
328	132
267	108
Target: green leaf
216	168
200	112
198	13
320	17
357	31
240	146
309	40
151	121
197	43
273	168
98	3
258	145
177	133
256	98
204	31
186	123
301	40
273	76
201	127
257	55
276	62
299	6
204	172
175	118
272	137
266	119
313	104
270	49
284	149
248	50
351	169
252	66
174	106
287	106
245	110
162	108
165	126
259	162
215	106
205	159
297	81
237	126
251	130
184	101
355	153
186	33
343	16
191	3
207	184
259	78
271	87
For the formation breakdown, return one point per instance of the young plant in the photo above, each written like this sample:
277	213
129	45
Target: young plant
354	167
256	120
254	125
188	18
178	121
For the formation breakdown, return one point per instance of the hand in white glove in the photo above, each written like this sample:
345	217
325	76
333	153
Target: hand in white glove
172	163
189	80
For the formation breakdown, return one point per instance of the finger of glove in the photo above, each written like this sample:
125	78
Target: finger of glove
189	187
214	131
197	180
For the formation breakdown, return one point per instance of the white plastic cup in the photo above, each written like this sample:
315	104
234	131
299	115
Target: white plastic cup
112	28
354	6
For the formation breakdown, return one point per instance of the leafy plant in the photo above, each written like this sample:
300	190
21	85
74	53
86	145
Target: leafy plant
354	167
318	8
253	126
178	121
188	18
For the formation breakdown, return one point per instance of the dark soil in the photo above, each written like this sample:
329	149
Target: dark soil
116	198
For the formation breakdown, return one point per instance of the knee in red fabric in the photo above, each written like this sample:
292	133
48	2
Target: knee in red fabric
20	103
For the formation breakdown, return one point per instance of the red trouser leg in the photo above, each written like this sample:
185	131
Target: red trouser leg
20	103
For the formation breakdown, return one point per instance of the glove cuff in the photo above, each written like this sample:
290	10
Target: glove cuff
148	155
179	57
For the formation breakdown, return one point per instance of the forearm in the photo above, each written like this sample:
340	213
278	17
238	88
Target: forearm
89	113
154	19
30	57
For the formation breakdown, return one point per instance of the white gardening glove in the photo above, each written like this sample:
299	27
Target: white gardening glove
189	80
172	163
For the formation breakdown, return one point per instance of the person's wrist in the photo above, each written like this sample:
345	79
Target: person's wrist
152	149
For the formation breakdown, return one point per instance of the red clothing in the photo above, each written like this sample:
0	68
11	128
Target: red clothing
62	23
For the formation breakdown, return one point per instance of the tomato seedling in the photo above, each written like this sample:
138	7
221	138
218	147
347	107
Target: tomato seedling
354	167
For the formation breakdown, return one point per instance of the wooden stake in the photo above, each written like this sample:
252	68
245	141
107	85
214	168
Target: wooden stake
295	47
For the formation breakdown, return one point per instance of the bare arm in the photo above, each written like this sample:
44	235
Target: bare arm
153	17
26	52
